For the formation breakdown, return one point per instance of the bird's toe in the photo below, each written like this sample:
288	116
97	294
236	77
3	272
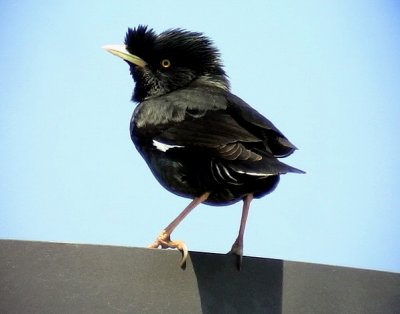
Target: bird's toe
237	250
164	241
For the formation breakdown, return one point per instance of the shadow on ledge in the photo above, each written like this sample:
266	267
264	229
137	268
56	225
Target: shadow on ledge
256	288
41	277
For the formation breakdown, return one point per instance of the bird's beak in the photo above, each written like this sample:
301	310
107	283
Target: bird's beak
120	51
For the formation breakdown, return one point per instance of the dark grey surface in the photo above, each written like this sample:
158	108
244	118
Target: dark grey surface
38	277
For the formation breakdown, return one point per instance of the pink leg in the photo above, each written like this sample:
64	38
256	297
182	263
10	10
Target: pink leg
164	239
237	247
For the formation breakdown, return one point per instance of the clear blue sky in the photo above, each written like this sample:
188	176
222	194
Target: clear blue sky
327	74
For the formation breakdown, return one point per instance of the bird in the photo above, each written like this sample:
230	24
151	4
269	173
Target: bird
199	140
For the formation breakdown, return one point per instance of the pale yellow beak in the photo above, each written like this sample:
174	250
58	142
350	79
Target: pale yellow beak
120	51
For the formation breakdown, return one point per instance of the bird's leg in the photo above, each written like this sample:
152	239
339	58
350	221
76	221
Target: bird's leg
237	247
164	238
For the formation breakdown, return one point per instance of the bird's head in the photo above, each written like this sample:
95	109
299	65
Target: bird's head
173	59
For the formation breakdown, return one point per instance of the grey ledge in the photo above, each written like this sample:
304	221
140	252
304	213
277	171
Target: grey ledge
42	277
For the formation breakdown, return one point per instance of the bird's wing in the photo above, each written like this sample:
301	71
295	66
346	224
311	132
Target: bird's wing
252	120
215	131
226	141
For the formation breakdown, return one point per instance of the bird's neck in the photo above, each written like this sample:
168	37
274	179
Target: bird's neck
219	81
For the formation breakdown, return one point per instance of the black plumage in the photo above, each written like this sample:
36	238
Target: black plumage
199	140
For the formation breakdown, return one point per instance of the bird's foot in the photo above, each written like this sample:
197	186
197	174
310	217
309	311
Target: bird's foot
164	241
237	250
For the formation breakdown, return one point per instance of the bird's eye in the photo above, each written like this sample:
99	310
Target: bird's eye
165	63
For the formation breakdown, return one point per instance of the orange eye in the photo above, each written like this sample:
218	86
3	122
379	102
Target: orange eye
165	63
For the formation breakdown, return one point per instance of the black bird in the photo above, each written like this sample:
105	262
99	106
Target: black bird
199	140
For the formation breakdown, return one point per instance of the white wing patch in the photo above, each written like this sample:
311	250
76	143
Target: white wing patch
256	174
164	147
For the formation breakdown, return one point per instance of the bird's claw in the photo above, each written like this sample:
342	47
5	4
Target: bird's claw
237	250
164	241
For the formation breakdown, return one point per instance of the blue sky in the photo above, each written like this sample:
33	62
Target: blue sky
327	74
